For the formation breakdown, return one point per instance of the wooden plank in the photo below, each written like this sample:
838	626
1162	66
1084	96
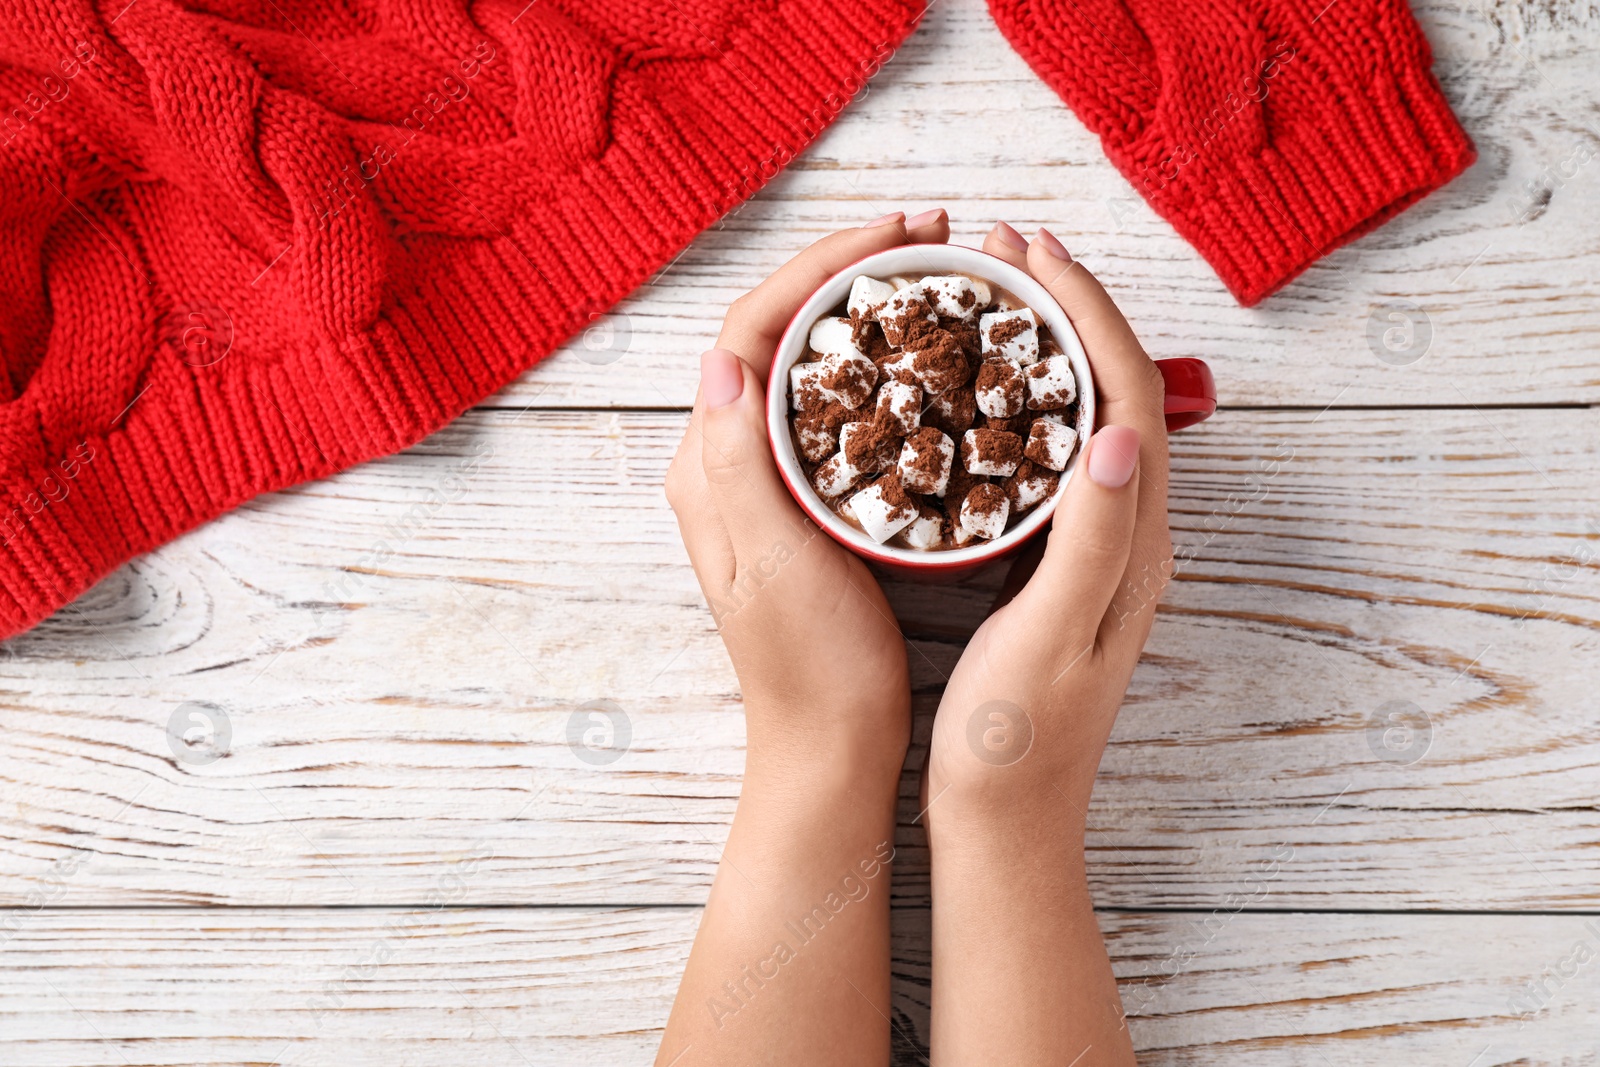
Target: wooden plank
593	986
400	652
1493	274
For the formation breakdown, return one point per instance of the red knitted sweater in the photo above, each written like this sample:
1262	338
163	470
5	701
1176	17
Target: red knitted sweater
243	246
249	245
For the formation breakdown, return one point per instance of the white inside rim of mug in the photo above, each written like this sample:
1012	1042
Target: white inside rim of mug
924	259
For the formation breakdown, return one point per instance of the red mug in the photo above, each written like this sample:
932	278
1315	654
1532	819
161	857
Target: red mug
1191	397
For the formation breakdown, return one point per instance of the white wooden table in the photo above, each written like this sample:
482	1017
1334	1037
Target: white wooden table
401	860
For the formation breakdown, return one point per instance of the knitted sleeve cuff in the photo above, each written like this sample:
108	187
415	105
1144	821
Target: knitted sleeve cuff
1327	176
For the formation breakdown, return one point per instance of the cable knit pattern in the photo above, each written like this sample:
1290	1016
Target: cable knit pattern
248	245
1268	133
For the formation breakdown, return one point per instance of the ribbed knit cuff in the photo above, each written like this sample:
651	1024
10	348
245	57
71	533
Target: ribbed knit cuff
1338	170
198	441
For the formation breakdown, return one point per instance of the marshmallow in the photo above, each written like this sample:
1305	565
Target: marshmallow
938	362
953	411
867	297
898	367
991	452
925	461
926	530
867	455
883	509
981	290
900	407
906	315
1059	417
817	442
837	477
833	336
953	296
1000	389
985	510
847	379
1031	485
1051	385
804	378
1050	444
1013	335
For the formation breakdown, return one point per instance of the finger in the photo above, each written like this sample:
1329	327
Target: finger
928	227
1130	393
1127	383
1091	536
757	320
761	518
704	538
1006	243
1019	573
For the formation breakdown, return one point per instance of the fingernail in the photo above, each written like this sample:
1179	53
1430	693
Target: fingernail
1053	246
1011	237
893	216
1113	454
923	218
721	378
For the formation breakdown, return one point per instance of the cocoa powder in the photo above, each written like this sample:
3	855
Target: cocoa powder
938	361
849	374
966	336
895	495
956	490
872	446
1017	424
985	499
905	327
995	447
952	411
924	450
868	337
1028	470
1005	330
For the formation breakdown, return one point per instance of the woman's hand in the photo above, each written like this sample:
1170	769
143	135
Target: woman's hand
1031	703
1023	721
820	658
791	962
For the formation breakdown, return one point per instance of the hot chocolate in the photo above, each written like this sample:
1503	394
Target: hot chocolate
933	411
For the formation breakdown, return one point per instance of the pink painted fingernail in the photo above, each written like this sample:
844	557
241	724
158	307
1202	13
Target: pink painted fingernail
924	218
1053	246
893	216
1011	237
721	378
1113	454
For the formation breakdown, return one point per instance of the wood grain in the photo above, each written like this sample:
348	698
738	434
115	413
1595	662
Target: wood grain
400	652
391	707
377	987
1495	273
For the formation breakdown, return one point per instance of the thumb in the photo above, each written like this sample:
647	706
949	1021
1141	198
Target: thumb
1091	536
756	509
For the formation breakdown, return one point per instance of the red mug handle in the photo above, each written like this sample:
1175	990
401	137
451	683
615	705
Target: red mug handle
1191	391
